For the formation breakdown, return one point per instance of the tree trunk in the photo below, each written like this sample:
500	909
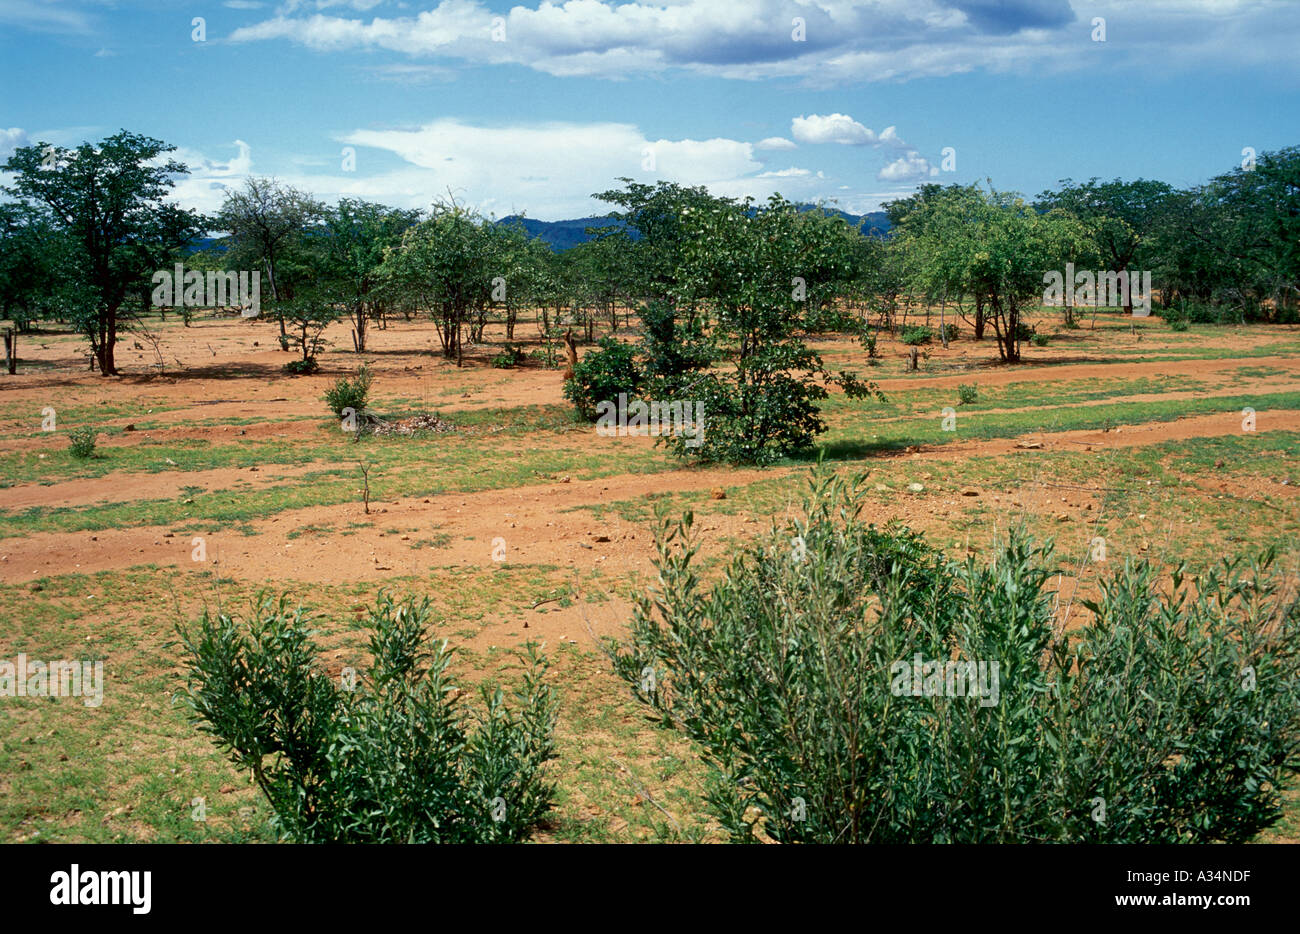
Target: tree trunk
108	342
979	317
359	334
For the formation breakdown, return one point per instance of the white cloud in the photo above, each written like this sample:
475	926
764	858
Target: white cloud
906	38
204	189
43	16
548	170
11	139
832	128
412	74
909	167
840	128
775	143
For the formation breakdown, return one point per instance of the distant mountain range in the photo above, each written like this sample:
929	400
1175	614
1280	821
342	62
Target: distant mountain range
563	235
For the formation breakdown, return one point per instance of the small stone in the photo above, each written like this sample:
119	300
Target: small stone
1062	517
970	492
718	493
129	428
916	487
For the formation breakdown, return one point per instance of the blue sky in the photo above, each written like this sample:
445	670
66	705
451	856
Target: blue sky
531	107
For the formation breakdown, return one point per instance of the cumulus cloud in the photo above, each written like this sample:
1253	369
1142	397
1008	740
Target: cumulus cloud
841	40
775	143
910	166
548	170
831	128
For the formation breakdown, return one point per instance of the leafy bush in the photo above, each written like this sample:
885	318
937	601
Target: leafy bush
1173	717
302	367
757	420
967	393
512	356
391	758
1024	332
949	332
601	375
916	335
1176	317
1039	340
81	442
350	393
1199	312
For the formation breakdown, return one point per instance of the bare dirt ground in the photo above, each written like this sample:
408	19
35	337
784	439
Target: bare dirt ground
587	519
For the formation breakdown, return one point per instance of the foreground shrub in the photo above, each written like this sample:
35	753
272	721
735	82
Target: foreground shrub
967	393
390	756
81	442
350	393
601	375
1172	718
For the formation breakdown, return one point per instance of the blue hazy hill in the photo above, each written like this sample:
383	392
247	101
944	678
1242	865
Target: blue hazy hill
563	235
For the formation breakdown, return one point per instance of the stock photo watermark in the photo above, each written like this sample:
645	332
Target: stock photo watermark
656	419
24	677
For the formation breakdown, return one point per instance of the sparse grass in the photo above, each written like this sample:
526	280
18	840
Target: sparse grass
129	770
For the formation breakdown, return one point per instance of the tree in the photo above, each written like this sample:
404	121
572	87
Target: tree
445	262
357	234
963	240
108	201
310	313
1122	218
35	261
1252	225
266	221
736	282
